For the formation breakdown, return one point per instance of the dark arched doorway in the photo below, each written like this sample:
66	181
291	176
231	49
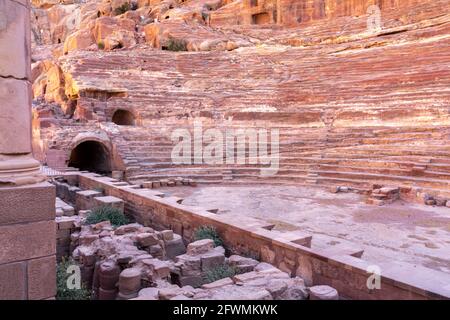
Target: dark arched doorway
123	118
92	156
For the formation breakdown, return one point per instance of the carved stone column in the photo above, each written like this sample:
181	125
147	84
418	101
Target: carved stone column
17	166
27	203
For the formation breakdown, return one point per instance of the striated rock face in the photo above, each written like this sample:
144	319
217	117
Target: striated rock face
295	12
354	105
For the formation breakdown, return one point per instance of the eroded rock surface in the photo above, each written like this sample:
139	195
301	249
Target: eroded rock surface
350	109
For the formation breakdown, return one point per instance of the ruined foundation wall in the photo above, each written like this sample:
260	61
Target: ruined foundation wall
346	273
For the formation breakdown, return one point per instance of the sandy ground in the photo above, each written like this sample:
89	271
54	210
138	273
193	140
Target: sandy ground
402	231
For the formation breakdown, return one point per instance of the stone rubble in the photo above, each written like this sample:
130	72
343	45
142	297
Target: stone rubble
123	263
136	262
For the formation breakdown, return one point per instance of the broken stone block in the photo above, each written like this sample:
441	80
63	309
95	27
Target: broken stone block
174	247
68	211
130	281
323	293
85	199
147	239
156	251
190	265
109	201
158	267
263	275
125	257
277	287
109	275
167	235
87	256
200	246
242	264
296	290
212	260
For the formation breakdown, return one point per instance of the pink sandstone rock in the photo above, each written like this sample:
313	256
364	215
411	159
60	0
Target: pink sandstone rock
200	246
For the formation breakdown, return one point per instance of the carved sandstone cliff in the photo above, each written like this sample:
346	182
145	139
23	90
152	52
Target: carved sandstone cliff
354	105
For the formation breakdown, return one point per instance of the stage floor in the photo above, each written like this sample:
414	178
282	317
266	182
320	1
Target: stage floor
401	231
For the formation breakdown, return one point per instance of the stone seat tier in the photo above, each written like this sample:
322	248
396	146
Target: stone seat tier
337	124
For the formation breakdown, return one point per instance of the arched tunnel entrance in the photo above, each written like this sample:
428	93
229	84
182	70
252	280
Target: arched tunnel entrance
123	118
91	156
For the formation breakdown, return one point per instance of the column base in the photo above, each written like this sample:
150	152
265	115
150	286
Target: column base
19	170
28	242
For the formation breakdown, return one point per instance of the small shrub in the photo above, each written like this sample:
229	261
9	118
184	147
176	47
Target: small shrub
223	271
62	291
106	213
101	45
207	232
176	45
122	9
